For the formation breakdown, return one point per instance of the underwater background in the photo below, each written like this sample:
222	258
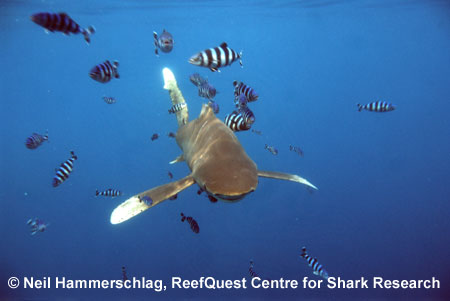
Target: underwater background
382	208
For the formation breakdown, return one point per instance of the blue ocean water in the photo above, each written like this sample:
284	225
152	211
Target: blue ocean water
382	208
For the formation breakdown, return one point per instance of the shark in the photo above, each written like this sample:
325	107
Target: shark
219	164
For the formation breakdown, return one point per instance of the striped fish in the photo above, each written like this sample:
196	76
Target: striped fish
214	106
196	79
109	100
35	140
377	106
236	122
240	101
314	264
163	42
251	271
104	72
296	149
271	149
109	192
248	115
206	90
146	200
62	173
177	108
214	58
241	88
63	23
192	222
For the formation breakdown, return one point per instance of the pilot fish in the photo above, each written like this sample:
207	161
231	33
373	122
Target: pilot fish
109	192
236	122
109	100
377	106
214	106
196	79
271	149
296	149
207	91
163	42
192	222
242	89
35	140
36	225
104	72
63	23
63	172
248	115
178	107
214	58
314	264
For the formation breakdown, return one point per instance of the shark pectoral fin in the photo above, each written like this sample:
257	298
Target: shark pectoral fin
180	158
285	176
147	199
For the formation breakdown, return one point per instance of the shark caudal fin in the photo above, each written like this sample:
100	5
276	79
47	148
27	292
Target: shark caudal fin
147	199
285	176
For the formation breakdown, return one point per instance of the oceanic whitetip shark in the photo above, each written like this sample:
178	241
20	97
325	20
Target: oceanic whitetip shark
218	162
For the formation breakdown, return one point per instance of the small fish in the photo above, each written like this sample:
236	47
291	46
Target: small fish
377	106
124	274
171	135
207	91
36	225
170	175
214	58
109	192
192	222
109	100
177	108
248	115
214	106
271	149
104	72
154	136
236	122
163	42
62	173
256	132
242	89
146	199
196	79
173	197
35	140
252	272
240	101
63	23
314	264
296	149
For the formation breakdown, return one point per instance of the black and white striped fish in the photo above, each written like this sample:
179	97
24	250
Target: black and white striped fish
314	264
163	42
236	122
35	140
62	173
214	58
377	106
207	91
109	192
196	79
104	72
178	107
109	100
192	222
214	106
241	88
63	23
248	115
